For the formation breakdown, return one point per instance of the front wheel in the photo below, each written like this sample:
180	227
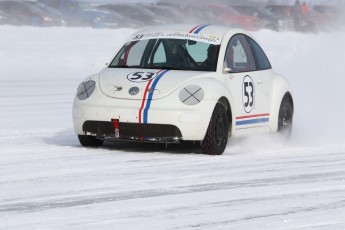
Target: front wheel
89	141
285	118
216	137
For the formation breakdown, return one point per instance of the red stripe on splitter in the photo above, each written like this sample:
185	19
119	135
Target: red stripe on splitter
144	97
115	123
116	127
255	115
192	30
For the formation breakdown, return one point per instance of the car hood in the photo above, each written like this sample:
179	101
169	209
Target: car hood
133	83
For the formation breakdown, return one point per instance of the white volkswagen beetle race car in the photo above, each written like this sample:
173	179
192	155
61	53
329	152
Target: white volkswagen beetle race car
201	83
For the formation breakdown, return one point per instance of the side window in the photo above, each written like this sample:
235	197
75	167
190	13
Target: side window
239	57
261	60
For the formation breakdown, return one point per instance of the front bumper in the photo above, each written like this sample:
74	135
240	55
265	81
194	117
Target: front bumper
132	131
168	120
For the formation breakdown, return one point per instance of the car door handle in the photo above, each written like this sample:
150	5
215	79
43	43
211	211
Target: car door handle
259	82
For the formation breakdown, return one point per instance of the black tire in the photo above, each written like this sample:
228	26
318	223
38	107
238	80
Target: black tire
89	141
217	134
285	118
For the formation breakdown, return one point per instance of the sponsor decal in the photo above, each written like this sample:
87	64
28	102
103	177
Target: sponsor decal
147	98
147	36
194	35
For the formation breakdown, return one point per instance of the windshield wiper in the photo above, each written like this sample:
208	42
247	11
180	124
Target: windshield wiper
156	67
169	67
119	66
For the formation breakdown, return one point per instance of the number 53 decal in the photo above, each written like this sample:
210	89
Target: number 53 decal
141	76
248	94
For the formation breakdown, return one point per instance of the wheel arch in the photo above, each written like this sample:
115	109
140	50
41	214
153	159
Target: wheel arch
223	100
216	91
217	135
281	90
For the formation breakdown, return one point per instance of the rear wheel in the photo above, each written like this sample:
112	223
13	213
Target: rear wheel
285	118
90	141
216	137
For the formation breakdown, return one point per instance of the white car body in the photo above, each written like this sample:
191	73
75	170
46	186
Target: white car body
180	103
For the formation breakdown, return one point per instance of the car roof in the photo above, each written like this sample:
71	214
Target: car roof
197	29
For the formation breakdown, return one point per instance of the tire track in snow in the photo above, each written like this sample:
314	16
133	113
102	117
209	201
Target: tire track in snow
51	203
286	214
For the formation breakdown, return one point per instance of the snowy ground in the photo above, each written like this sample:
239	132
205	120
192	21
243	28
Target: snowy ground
47	181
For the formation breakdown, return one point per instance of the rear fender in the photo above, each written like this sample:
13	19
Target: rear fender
280	89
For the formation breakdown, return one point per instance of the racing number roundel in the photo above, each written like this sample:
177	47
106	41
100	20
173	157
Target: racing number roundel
248	94
141	76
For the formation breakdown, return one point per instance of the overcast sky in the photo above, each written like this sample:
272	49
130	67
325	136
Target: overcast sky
119	1
150	1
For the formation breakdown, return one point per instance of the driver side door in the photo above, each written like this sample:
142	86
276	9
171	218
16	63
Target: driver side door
242	79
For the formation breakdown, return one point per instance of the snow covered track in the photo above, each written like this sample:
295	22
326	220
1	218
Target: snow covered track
47	181
70	187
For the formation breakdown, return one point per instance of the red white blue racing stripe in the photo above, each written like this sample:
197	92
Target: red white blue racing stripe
252	119
147	98
198	28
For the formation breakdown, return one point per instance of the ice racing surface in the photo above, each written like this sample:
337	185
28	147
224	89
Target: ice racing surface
48	181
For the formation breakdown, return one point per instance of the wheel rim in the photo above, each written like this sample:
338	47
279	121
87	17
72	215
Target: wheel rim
219	129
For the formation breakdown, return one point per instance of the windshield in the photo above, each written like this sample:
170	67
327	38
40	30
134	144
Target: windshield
178	54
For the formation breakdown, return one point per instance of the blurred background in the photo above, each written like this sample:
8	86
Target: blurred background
309	16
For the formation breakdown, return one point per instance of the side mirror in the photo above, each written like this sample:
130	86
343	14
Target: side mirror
227	70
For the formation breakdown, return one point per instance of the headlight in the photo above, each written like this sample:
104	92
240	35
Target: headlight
85	89
191	95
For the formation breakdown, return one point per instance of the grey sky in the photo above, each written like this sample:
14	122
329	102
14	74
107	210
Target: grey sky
119	1
151	1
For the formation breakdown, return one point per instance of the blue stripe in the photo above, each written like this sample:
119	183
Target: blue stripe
252	121
149	98
200	28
